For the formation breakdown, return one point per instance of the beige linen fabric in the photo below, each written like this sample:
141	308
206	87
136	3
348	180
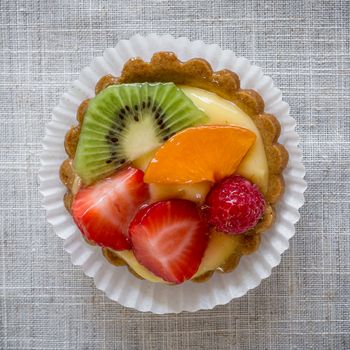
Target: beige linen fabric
47	303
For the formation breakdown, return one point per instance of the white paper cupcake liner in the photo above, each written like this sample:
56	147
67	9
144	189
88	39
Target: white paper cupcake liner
117	282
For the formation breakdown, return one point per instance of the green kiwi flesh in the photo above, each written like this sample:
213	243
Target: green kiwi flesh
126	121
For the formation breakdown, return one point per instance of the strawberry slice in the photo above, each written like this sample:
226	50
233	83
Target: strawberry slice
169	238
103	211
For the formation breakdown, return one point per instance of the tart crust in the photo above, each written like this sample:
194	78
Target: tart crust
165	67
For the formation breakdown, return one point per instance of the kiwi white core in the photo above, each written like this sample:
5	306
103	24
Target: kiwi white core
135	146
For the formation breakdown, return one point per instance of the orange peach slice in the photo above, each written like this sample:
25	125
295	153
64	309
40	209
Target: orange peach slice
204	153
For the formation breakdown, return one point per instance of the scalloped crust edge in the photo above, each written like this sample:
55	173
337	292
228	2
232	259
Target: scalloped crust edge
197	72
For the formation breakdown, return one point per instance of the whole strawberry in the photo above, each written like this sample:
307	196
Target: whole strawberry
234	205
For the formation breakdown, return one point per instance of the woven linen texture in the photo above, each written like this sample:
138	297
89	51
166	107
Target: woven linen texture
47	303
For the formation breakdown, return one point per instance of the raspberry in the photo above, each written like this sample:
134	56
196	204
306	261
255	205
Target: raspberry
234	205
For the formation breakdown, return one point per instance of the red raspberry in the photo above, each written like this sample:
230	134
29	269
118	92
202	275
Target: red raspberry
234	205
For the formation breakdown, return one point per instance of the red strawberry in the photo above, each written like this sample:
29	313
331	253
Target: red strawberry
169	238
103	211
234	205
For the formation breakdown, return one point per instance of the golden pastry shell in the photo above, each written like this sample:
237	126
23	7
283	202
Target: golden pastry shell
165	67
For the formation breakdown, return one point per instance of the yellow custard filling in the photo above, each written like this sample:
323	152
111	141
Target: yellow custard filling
254	167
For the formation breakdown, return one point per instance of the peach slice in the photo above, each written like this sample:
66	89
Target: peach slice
223	112
204	153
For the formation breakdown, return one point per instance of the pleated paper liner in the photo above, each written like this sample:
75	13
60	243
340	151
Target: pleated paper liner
117	282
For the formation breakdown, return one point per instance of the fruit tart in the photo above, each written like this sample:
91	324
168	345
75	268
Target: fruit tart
173	170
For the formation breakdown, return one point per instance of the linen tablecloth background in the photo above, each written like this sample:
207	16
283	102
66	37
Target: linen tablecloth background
47	303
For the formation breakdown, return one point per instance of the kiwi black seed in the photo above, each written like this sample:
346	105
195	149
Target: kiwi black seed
126	121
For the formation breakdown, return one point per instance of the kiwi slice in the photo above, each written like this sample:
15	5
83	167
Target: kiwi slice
126	121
